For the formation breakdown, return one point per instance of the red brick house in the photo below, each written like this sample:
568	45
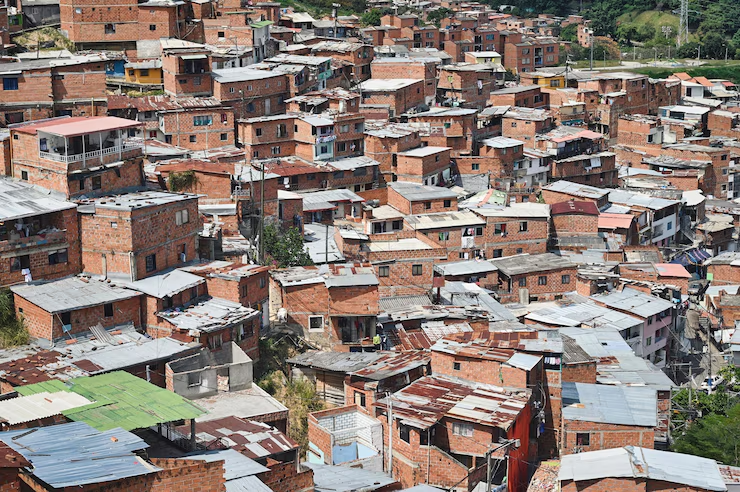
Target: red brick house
333	305
78	156
534	277
599	416
425	165
39	235
429	426
138	234
397	95
515	229
636	469
70	306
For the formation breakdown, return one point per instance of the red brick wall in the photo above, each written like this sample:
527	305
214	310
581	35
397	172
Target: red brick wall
144	231
554	286
725	274
605	436
180	125
563	224
480	370
532	241
284	477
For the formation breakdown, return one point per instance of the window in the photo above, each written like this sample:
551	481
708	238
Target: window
341	146
475	167
315	323
224	136
444	236
20	262
397	225
565	279
360	398
479	231
649	341
108	310
275	150
456	366
66	318
110	28
151	262
182	217
519	251
202	120
58	257
583	439
416	270
97	182
447	203
196	81
258	132
498	253
338	174
403	432
523	282
10	84
221	34
384	271
462	429
499	228
152	27
542	280
24	175
669	226
523	226
427	205
193	139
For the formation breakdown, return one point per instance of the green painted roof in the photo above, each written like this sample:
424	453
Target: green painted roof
121	400
264	23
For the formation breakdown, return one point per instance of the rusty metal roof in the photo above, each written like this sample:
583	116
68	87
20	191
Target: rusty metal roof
427	400
393	363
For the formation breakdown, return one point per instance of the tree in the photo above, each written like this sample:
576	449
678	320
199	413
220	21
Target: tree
569	33
713	45
436	16
645	32
371	18
714	436
688	50
285	248
12	330
182	181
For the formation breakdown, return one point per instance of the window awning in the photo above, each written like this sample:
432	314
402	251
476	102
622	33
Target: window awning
194	57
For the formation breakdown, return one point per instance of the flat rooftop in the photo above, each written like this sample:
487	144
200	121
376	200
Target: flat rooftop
405	244
142	199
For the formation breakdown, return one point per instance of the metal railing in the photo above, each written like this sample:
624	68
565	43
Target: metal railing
93	154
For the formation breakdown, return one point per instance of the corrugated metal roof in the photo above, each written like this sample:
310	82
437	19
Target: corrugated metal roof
246	484
72	293
344	362
394	303
576	189
391	364
635	462
467	267
427	400
236	465
330	478
167	284
634	301
19	199
415	192
122	400
75	454
602	403
526	263
524	361
207	315
41	405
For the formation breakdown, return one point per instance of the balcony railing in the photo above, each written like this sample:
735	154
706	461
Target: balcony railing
93	154
52	237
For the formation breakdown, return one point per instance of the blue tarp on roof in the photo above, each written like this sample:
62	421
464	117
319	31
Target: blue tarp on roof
693	256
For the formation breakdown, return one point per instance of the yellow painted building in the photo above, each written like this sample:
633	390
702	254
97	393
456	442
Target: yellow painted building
543	79
147	72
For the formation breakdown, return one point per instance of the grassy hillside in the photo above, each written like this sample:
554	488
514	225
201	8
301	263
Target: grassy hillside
729	71
655	18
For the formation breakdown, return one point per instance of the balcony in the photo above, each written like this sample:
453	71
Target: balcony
115	151
40	239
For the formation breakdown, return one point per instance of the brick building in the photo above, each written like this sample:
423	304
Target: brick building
599	417
40	89
78	156
384	141
468	84
539	277
71	306
413	198
390	67
723	269
451	440
515	229
564	190
637	469
525	96
333	305
250	92
425	165
359	56
457	128
39	235
462	233
138	234
397	95
186	68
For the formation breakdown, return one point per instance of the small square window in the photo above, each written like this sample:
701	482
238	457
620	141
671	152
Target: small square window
565	279
360	398
542	280
224	136
384	271
447	203
583	439
427	205
193	138
523	226
151	263
108	310
152	27
456	366
24	175
315	323
416	270
523	282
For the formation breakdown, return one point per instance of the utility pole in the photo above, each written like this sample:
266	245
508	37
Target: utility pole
489	473
683	23
390	434
591	59
262	215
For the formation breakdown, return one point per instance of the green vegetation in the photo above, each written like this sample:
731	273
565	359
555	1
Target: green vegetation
272	374
12	330
435	16
647	27
715	436
182	181
48	38
285	248
371	17
133	93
